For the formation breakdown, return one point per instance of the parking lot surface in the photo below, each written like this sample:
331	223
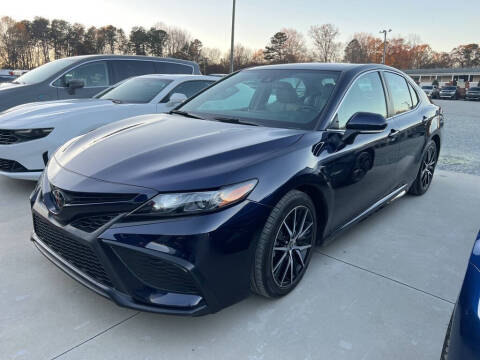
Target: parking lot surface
461	147
384	289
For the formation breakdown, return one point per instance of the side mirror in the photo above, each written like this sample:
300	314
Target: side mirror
364	122
75	84
176	99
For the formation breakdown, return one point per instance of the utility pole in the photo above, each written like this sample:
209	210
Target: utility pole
384	32
233	37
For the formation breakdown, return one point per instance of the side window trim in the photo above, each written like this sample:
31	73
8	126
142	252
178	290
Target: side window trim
392	115
171	92
107	64
352	83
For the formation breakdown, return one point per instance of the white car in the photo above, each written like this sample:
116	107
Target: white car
30	133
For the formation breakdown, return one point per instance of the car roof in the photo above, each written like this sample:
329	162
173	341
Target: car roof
343	67
179	77
130	57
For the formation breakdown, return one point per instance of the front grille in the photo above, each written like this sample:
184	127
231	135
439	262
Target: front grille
8	137
158	273
82	198
77	254
92	223
11	166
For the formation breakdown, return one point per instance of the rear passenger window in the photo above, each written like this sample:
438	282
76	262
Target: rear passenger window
414	96
365	95
172	68
128	68
402	101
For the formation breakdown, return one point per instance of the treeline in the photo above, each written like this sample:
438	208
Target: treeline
26	44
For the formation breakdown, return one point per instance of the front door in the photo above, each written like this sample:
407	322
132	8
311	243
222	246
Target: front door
95	76
363	170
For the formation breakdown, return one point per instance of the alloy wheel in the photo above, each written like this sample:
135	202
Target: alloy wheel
292	246
428	166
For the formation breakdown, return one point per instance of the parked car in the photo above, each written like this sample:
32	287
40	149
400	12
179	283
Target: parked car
431	91
473	93
7	78
188	212
462	341
450	92
30	133
84	76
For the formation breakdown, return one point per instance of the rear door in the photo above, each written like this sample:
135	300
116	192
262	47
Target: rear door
409	118
95	75
167	67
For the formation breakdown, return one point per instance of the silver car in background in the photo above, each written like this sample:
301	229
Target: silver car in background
84	76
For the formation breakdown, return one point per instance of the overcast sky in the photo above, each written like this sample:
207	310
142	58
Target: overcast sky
442	24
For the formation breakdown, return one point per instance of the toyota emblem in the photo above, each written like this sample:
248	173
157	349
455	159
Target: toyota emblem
58	199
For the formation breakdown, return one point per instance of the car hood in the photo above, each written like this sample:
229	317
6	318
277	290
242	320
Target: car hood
10	85
47	113
171	152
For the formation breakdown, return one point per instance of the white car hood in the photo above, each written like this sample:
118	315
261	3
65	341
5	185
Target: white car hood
50	113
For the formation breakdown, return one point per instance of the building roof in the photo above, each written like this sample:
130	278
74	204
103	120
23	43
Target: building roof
444	71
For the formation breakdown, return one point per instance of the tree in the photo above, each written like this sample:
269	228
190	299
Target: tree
110	36
324	40
138	40
156	40
295	47
177	39
466	55
58	36
122	45
275	52
40	35
353	52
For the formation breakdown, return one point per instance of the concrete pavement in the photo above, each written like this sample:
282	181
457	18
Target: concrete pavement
385	289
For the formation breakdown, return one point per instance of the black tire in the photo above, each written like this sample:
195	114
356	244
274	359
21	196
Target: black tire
427	169
264	279
446	342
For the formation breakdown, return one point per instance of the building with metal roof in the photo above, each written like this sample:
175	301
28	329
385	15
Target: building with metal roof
445	75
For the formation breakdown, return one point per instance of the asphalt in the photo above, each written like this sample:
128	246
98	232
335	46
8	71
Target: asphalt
385	289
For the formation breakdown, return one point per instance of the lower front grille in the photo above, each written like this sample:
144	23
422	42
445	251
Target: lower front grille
7	137
158	273
11	166
91	223
70	249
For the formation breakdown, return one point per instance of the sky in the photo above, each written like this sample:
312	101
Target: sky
442	24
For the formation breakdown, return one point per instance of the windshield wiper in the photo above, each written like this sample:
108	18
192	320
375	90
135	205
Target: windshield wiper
234	121
186	114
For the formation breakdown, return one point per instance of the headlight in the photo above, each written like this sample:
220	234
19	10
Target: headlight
30	134
195	202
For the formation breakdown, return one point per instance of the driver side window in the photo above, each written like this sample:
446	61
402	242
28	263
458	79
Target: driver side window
93	74
365	95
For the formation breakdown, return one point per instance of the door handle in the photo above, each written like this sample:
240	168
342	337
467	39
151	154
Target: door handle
393	133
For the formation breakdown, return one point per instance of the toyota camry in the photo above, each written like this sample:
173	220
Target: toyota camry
191	211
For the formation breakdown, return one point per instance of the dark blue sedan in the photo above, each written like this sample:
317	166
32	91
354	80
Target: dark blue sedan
462	341
189	212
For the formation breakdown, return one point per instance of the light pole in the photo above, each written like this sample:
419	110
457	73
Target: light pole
384	32
233	37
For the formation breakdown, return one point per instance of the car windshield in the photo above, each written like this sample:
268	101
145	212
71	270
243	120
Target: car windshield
474	89
135	90
267	97
45	71
449	88
427	87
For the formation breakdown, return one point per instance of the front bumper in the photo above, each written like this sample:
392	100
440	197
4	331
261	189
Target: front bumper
196	265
